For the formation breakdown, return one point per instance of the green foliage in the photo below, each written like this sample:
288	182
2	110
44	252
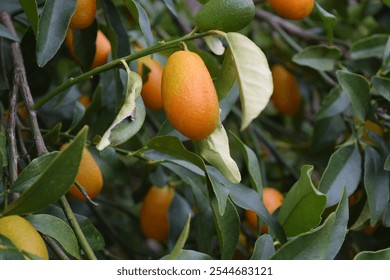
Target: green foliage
331	161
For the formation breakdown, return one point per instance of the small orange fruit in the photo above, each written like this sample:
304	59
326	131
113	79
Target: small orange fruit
84	14
103	48
88	175
23	235
292	9
151	89
286	97
154	221
189	96
272	199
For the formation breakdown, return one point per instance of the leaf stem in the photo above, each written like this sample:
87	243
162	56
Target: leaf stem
77	229
116	63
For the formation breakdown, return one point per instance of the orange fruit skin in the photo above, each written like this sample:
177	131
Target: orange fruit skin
151	89
272	199
88	175
84	14
189	96
154	221
103	48
292	9
23	235
286	97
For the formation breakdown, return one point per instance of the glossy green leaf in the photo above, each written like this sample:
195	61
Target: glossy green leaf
322	243
178	214
59	230
343	169
303	205
215	149
322	58
369	47
377	255
5	33
376	183
228	228
264	248
329	20
130	117
30	8
357	87
226	78
53	25
382	85
218	183
253	75
181	241
336	102
33	172
54	182
189	255
94	237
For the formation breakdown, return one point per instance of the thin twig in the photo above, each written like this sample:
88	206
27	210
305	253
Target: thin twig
13	151
20	79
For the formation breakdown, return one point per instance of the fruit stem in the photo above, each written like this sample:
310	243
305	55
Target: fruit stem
116	63
77	229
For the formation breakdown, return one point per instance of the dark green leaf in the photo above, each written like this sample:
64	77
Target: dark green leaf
178	214
143	20
218	183
84	45
58	229
387	164
321	58
382	85
228	228
94	237
8	251
344	169
336	102
357	87
54	182
5	33
33	172
30	8
264	248
171	7
376	183
378	255
322	243
53	25
252	164
303	205
118	35
369	47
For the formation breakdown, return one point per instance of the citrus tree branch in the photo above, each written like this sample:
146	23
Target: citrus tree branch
116	63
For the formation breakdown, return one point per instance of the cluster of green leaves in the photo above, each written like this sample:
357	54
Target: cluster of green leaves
318	158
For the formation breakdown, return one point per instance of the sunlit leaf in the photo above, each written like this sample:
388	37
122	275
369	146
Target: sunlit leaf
253	75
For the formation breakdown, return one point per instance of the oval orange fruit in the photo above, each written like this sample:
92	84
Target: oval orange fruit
84	14
286	97
189	96
154	221
103	48
23	235
292	9
88	175
151	88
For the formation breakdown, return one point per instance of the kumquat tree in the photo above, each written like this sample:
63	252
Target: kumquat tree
189	129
